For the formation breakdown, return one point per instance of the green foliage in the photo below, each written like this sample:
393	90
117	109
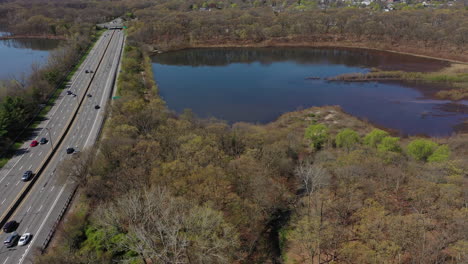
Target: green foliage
374	137
347	138
442	153
389	144
421	149
317	134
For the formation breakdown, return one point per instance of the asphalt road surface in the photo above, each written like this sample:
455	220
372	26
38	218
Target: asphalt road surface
41	208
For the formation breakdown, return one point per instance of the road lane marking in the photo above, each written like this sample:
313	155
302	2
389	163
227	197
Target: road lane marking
17	183
30	167
42	225
29	209
40	153
4	200
21	167
6	260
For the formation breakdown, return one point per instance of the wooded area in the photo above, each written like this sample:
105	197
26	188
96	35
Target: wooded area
315	186
312	187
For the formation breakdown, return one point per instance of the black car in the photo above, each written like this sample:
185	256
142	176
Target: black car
12	240
27	175
97	107
10	226
43	141
69	92
86	71
70	150
89	95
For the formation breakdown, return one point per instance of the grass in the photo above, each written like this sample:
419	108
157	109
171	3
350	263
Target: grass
44	111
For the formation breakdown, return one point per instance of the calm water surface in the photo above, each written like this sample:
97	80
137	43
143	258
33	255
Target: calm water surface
258	85
18	55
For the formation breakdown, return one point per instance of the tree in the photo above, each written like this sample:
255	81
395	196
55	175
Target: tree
374	137
318	134
347	138
442	153
389	144
421	149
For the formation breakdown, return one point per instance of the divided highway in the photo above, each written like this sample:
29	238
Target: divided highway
41	207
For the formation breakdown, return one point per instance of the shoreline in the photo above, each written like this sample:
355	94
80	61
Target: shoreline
325	44
32	37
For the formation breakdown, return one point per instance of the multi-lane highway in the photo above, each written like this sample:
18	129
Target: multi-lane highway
75	119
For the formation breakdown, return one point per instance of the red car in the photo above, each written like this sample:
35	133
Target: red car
34	143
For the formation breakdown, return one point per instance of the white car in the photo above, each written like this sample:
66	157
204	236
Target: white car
24	239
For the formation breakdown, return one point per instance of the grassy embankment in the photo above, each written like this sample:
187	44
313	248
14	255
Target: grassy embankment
43	112
454	76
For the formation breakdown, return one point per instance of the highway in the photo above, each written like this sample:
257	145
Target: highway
42	206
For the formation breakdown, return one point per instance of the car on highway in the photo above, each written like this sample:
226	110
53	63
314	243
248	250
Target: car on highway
86	71
69	92
89	95
27	175
34	143
11	240
24	239
43	141
97	107
70	150
10	226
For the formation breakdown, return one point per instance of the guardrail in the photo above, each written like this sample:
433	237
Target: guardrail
57	221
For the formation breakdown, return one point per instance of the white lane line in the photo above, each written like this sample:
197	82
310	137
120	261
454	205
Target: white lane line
29	209
32	154
52	188
30	167
42	225
40	208
4	200
17	183
40	153
6	260
21	167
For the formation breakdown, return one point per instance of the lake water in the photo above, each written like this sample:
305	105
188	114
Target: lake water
258	85
18	55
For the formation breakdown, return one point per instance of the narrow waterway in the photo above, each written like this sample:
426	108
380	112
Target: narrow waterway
259	84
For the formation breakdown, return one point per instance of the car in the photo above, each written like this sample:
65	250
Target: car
11	240
34	143
90	71
27	175
43	141
10	226
74	95
97	107
89	95
86	71
70	150
69	92
24	239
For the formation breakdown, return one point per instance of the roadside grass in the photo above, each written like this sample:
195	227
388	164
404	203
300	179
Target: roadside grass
45	110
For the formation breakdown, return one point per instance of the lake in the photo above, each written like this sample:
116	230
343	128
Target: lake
259	84
18	55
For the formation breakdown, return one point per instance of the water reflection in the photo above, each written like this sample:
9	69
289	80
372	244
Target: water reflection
257	85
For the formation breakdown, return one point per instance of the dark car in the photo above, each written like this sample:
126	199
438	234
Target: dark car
70	150
89	95
86	71
97	107
43	141
11	240
27	175
69	92
10	226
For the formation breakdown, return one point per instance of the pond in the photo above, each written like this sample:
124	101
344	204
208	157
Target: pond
18	55
259	84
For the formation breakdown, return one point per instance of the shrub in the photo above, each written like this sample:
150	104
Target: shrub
389	144
442	153
347	138
375	137
421	149
318	134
